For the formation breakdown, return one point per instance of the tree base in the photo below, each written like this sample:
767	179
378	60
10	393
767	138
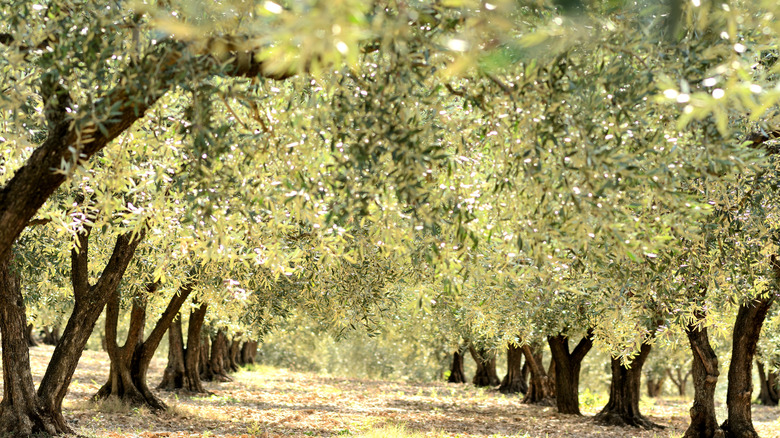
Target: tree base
132	398
610	418
737	432
515	387
19	421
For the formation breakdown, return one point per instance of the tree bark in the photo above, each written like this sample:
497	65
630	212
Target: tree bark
514	382
248	352
31	341
567	371
21	411
486	375
192	355
704	369
216	364
234	352
173	376
130	363
747	329
539	390
769	394
624	391
456	368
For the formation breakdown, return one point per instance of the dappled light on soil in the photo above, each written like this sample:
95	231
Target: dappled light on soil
268	402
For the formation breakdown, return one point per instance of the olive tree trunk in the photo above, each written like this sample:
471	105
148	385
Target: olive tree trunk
514	381
622	409
747	329
539	388
234	352
31	341
183	369
704	369
216	364
770	393
567	371
456	368
486	374
248	352
130	363
24	411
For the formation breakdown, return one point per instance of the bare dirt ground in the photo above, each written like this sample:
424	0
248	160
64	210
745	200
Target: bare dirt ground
269	402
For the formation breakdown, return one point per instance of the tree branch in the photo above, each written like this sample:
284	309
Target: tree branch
167	317
583	347
71	141
79	265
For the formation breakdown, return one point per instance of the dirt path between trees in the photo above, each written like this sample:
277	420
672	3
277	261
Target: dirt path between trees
278	403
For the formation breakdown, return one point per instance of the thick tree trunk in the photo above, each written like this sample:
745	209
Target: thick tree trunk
130	363
486	375
567	371
248	352
89	303
705	372
747	329
234	352
770	393
217	371
173	376
624	391
539	390
31	341
514	380
456	369
21	412
192	356
204	365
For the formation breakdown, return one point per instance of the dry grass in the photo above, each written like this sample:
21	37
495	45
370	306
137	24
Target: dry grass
267	402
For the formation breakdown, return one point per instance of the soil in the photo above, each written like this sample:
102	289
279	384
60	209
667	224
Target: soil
268	402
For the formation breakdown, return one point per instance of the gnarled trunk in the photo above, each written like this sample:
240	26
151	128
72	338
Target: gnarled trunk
21	411
486	374
248	352
130	363
215	367
539	388
567	371
747	328
514	381
173	376
704	369
624	391
234	352
456	368
770	393
192	356
182	371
